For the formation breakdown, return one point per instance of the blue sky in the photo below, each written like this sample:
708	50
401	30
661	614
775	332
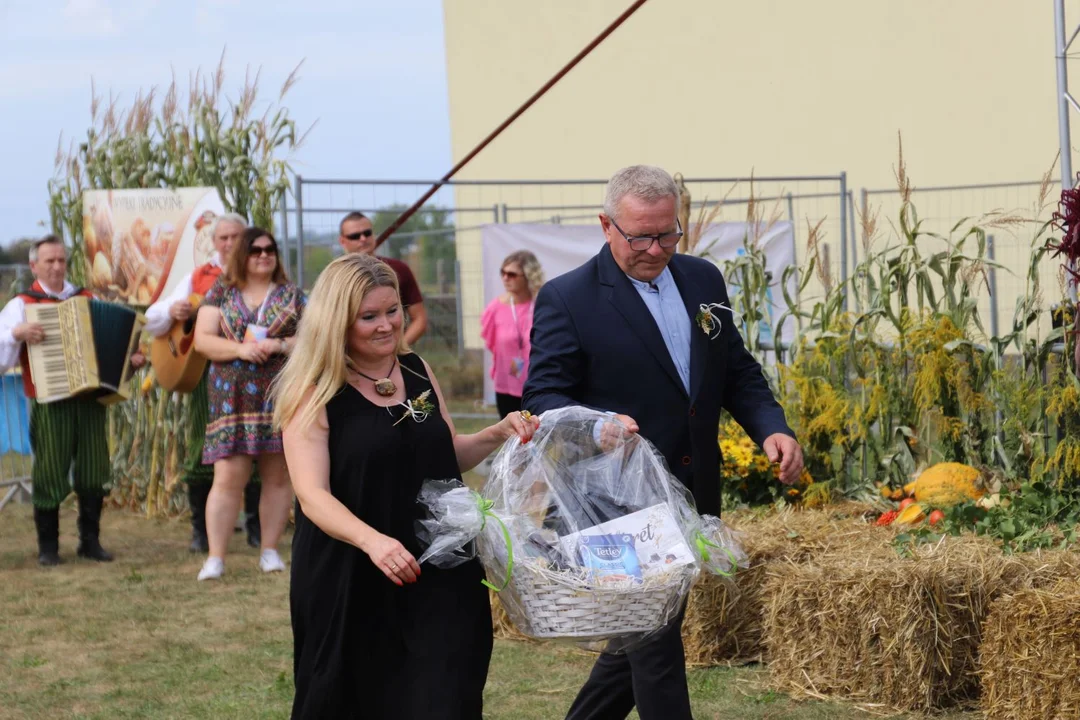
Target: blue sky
374	77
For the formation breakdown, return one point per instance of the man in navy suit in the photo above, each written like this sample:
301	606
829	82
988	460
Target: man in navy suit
622	334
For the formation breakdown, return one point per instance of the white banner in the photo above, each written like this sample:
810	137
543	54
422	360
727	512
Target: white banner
561	248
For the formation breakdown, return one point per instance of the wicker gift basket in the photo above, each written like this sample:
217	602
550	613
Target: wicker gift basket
586	543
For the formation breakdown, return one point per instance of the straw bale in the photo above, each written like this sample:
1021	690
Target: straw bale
1029	662
723	623
888	631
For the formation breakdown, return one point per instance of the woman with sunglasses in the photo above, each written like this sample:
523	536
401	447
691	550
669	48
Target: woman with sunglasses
505	327
246	329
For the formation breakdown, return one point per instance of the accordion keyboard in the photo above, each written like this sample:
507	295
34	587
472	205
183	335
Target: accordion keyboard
48	364
63	363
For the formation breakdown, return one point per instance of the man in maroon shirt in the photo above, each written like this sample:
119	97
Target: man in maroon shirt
356	235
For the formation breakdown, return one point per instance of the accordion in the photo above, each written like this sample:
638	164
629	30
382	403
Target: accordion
86	351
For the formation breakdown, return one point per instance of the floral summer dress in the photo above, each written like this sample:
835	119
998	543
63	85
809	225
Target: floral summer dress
241	412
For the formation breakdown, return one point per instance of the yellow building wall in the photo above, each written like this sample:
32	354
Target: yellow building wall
729	87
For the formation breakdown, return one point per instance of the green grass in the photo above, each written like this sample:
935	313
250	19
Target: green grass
140	638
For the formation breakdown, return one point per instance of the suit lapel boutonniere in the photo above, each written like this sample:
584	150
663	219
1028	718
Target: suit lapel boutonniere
708	319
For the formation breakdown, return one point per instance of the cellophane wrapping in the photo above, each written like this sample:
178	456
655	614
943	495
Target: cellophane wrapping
587	544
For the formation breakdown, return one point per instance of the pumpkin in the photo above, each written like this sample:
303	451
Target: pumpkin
947	484
910	515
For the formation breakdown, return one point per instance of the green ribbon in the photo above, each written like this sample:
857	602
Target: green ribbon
485	506
703	544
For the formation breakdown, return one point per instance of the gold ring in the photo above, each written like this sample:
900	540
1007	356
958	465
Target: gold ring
525	414
393	566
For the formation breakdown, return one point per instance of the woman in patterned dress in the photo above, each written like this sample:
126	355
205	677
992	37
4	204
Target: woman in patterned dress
246	328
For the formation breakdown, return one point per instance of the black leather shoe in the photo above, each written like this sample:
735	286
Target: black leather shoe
49	559
199	542
197	495
252	494
90	529
47	523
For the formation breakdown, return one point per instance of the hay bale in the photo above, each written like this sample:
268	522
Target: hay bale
1030	657
723	623
887	631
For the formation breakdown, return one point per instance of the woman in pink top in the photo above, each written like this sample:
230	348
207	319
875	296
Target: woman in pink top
505	327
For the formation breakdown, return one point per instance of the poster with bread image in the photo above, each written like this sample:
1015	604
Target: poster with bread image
141	243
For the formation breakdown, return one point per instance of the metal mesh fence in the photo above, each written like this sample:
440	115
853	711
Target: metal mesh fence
442	244
1010	244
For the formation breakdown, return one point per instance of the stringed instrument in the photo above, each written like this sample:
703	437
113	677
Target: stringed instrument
177	365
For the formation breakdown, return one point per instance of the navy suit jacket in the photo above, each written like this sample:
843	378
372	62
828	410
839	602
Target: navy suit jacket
595	343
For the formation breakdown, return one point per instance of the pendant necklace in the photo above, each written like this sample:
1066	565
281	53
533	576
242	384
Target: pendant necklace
385	387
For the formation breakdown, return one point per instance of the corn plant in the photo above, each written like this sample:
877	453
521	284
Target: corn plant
912	377
162	141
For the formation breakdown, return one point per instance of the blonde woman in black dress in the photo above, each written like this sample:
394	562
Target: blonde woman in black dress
364	425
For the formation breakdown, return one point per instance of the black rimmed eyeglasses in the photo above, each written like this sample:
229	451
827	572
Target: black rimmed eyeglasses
640	243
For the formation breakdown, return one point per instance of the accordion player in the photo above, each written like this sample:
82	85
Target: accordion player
86	351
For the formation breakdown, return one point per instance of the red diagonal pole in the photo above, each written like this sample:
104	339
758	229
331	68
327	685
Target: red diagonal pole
401	220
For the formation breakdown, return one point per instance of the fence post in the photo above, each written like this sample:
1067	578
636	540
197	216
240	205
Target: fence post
843	235
495	211
854	249
300	231
460	312
285	230
991	281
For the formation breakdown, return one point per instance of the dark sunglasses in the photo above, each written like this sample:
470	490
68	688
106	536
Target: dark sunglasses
510	274
256	250
357	235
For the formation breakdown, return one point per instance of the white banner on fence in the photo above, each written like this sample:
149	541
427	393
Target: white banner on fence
561	248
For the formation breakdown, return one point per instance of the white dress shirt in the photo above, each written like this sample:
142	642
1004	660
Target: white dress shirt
13	314
665	304
158	320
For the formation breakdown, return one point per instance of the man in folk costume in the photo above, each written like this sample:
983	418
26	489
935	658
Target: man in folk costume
177	307
63	431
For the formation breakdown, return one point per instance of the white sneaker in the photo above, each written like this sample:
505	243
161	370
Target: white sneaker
270	561
212	569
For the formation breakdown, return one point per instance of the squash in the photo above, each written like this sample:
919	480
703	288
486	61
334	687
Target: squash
947	484
910	515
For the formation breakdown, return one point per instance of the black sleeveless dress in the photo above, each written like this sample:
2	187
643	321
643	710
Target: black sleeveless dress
364	647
